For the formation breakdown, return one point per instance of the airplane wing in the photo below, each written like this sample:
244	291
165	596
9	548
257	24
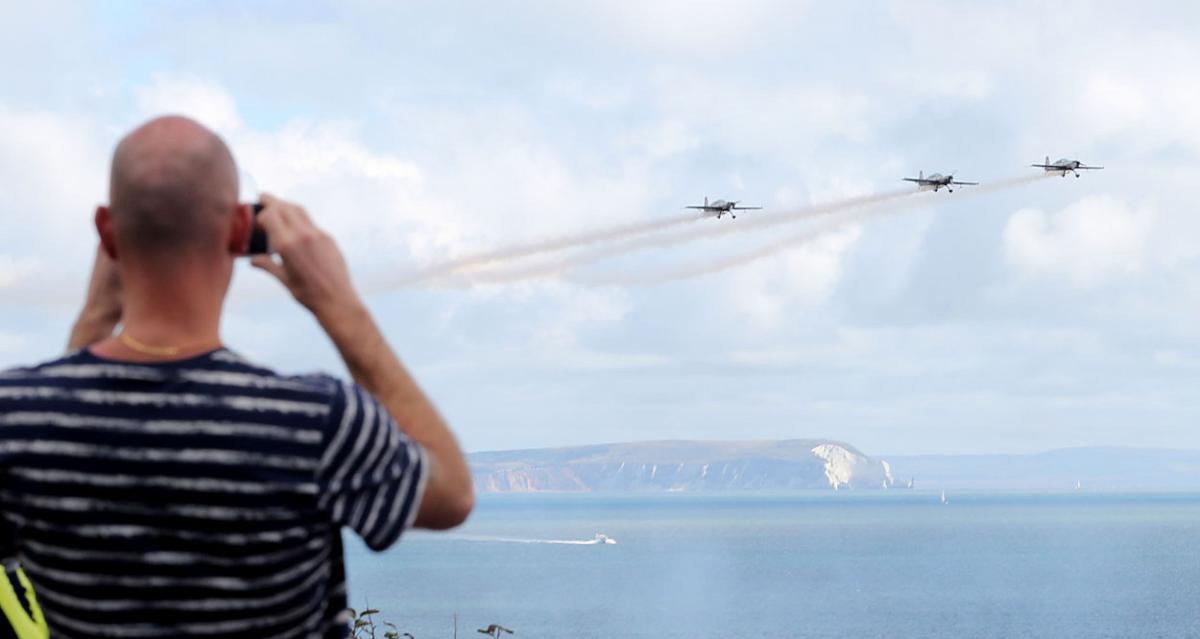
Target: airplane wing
747	208
965	183
1089	167
917	180
703	208
1043	166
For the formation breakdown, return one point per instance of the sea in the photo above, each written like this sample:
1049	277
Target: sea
820	564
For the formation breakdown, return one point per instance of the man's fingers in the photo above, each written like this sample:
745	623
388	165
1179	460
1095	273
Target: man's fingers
290	212
279	228
302	215
283	220
268	264
276	227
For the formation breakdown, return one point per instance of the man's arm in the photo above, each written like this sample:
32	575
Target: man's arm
312	268
102	308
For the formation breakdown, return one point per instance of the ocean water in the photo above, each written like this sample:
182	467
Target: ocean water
897	564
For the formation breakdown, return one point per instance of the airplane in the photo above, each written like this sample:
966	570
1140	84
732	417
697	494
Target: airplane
937	181
1064	166
721	207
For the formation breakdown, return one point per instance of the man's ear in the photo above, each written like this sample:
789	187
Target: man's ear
241	227
104	230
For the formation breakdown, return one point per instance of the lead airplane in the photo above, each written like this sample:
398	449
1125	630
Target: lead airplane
937	181
1063	166
721	207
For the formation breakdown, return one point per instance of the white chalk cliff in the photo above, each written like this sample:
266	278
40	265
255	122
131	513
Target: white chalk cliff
675	466
844	467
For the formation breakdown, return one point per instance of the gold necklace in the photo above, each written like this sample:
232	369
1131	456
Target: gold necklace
147	349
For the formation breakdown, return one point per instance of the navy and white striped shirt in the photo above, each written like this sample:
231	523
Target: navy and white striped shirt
198	498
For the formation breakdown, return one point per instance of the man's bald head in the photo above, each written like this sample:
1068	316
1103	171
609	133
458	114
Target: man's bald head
174	185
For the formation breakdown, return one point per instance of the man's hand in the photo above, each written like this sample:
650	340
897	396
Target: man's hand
313	269
310	264
102	308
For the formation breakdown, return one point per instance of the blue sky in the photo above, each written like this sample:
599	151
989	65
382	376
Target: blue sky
1061	313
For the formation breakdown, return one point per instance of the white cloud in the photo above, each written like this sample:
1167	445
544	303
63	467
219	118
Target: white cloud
694	27
662	139
373	202
754	118
501	178
55	168
376	203
1089	242
1146	108
556	339
969	84
1112	101
14	270
191	96
451	149
801	278
389	213
55	171
1169	358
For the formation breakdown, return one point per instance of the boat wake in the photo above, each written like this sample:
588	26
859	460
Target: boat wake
599	539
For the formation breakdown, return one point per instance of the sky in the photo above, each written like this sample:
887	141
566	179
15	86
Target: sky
1056	313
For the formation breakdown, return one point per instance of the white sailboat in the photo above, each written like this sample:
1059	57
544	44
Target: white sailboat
944	500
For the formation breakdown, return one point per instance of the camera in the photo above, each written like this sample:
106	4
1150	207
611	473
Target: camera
258	237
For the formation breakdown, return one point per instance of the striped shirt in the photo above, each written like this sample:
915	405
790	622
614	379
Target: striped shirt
198	498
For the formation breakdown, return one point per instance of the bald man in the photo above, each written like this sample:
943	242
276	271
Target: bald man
154	483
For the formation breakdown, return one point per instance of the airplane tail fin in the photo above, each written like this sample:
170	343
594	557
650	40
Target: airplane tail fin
705	200
1047	160
921	174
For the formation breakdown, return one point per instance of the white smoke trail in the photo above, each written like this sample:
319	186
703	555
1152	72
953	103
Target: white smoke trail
738	259
794	240
531	249
635	244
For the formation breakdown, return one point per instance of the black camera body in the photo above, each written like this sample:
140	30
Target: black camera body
258	237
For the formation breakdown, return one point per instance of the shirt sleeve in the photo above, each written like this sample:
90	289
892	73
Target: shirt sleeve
8	534
8	540
371	476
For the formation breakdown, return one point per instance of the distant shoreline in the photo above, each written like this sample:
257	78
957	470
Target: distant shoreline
800	465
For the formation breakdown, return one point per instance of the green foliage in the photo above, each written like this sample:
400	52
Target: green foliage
365	626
